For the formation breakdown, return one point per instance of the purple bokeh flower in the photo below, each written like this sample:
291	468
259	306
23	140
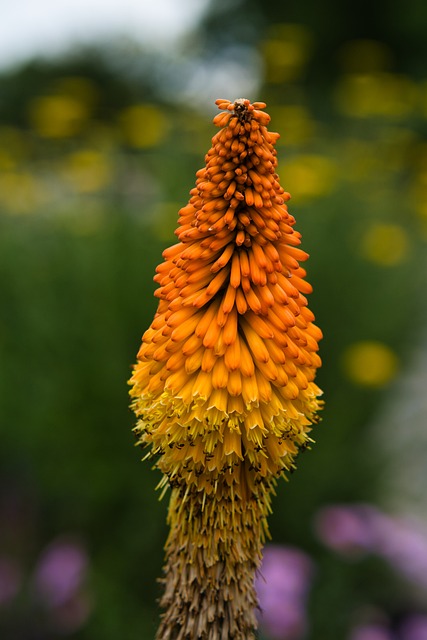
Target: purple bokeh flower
59	583
282	588
414	628
403	543
347	529
353	530
60	572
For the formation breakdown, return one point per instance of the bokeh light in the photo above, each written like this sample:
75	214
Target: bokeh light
370	363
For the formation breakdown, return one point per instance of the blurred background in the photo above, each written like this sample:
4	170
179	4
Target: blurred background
105	115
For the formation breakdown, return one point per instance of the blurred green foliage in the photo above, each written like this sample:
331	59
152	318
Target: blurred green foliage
94	165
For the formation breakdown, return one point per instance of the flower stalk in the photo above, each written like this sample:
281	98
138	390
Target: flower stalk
224	385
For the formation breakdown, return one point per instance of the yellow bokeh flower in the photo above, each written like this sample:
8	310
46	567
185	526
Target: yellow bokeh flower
376	94
57	116
87	171
385	244
224	385
370	363
21	192
143	125
286	52
310	175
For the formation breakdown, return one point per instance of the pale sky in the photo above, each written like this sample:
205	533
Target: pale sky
29	27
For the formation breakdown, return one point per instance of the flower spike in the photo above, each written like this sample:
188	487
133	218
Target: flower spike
224	385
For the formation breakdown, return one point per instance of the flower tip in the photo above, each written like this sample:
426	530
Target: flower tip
245	111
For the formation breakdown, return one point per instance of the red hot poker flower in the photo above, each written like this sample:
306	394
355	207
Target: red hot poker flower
224	386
